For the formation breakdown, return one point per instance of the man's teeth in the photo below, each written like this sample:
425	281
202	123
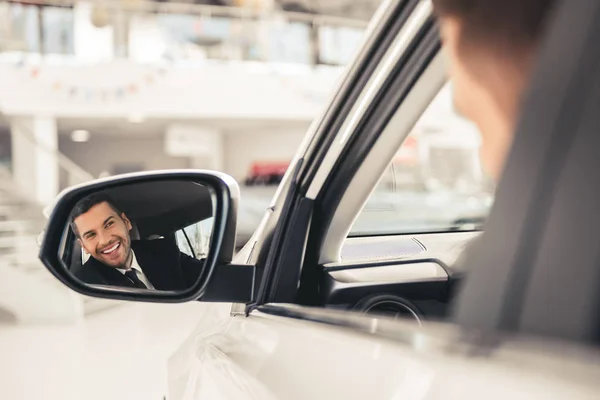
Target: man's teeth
111	249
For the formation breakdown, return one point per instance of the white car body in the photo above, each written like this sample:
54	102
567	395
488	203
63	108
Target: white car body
264	356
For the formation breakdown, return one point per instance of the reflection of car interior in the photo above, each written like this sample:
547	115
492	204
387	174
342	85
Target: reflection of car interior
158	210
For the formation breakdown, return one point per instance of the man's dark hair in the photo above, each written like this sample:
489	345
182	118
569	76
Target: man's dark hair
498	24
85	204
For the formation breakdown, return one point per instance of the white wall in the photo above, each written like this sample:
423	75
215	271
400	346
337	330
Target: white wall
204	90
242	150
103	152
34	164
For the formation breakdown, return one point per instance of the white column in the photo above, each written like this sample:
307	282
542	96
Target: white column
35	157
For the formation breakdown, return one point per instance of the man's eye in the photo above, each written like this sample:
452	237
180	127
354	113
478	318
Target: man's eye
90	236
109	224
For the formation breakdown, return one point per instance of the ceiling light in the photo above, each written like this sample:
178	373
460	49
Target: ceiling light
136	118
80	135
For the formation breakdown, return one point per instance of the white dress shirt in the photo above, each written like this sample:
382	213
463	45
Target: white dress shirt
138	271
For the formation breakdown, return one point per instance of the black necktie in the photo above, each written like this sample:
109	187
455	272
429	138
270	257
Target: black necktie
132	275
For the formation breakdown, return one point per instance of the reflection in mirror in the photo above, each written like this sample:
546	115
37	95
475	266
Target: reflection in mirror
151	236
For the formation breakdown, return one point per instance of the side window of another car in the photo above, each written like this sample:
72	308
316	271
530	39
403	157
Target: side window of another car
435	183
194	240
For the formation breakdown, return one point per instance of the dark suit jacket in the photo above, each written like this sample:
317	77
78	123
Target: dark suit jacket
164	265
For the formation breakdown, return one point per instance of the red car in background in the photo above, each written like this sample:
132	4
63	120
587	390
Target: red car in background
266	172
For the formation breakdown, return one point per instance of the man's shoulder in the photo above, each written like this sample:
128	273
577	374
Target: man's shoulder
90	264
90	271
156	250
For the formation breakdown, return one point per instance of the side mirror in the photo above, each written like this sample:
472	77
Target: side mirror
163	236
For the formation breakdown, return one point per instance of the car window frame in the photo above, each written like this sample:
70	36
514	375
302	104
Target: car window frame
287	246
336	217
189	241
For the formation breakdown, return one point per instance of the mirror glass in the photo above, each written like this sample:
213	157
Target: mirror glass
151	235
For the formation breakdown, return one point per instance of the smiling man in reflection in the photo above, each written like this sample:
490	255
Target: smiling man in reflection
104	232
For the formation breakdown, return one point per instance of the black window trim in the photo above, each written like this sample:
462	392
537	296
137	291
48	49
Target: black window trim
268	246
424	48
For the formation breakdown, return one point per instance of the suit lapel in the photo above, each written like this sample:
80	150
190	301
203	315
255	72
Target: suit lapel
158	264
109	274
151	265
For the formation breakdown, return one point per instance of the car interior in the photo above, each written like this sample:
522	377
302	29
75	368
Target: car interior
157	211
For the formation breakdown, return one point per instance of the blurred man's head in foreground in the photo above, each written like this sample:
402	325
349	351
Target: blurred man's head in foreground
492	46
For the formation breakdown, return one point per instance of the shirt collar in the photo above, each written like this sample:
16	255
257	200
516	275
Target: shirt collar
134	265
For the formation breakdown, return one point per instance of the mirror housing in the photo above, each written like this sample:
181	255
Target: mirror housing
218	280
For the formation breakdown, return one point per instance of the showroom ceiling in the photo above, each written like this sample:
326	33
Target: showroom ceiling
356	9
359	9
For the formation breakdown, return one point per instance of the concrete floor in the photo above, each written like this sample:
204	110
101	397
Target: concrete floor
118	353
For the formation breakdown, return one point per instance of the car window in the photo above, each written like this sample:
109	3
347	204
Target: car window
435	183
194	239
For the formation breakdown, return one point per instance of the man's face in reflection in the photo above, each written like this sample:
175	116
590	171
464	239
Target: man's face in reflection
104	234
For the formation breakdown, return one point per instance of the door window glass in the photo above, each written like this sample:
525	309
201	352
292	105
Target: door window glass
194	240
435	183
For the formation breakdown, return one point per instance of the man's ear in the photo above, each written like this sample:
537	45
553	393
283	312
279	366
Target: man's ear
127	221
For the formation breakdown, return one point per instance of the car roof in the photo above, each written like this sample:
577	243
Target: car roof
161	207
